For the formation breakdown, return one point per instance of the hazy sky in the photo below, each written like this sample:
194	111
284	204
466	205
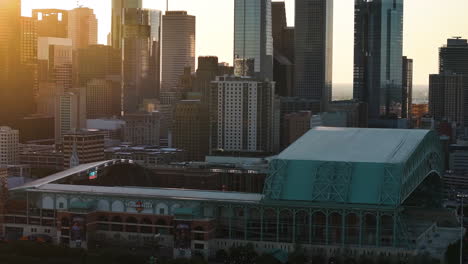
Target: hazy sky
428	23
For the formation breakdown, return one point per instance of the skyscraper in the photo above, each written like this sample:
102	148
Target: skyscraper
244	115
55	61
117	19
52	22
16	80
448	90
70	112
28	44
314	50
453	57
253	37
191	128
407	96
82	27
283	64
139	69
447	97
178	47
102	98
96	62
378	47
206	73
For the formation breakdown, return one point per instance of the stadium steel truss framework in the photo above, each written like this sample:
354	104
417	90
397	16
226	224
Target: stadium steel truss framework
330	219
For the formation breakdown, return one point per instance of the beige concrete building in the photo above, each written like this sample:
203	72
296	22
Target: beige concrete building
9	146
82	146
82	27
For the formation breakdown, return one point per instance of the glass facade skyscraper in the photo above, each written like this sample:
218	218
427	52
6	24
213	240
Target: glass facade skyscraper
314	50
252	35
117	23
378	48
140	56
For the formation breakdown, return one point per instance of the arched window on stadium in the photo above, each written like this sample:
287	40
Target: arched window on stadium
238	223
199	233
386	234
254	224
335	228
286	223
223	216
370	229
269	225
319	225
302	227
131	225
352	226
117	225
103	224
146	226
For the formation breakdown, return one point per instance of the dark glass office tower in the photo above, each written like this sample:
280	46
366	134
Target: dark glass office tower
252	35
283	62
407	81
117	23
453	57
137	57
378	47
314	50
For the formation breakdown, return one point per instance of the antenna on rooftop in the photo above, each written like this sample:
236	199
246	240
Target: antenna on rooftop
167	5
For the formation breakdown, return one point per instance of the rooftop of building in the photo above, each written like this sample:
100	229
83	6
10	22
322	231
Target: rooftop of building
153	193
355	145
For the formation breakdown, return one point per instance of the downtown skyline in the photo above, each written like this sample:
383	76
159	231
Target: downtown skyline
424	32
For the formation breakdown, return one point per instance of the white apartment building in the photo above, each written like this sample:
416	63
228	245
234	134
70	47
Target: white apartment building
243	115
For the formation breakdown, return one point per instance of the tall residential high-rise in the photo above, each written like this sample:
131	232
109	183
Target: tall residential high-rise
82	27
253	37
407	96
314	50
9	146
117	19
178	47
96	62
378	48
244	115
51	22
70	112
139	65
191	129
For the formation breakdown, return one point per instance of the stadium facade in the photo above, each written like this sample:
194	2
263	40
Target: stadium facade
335	190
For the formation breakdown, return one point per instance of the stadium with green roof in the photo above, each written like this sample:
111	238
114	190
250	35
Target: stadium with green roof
358	191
